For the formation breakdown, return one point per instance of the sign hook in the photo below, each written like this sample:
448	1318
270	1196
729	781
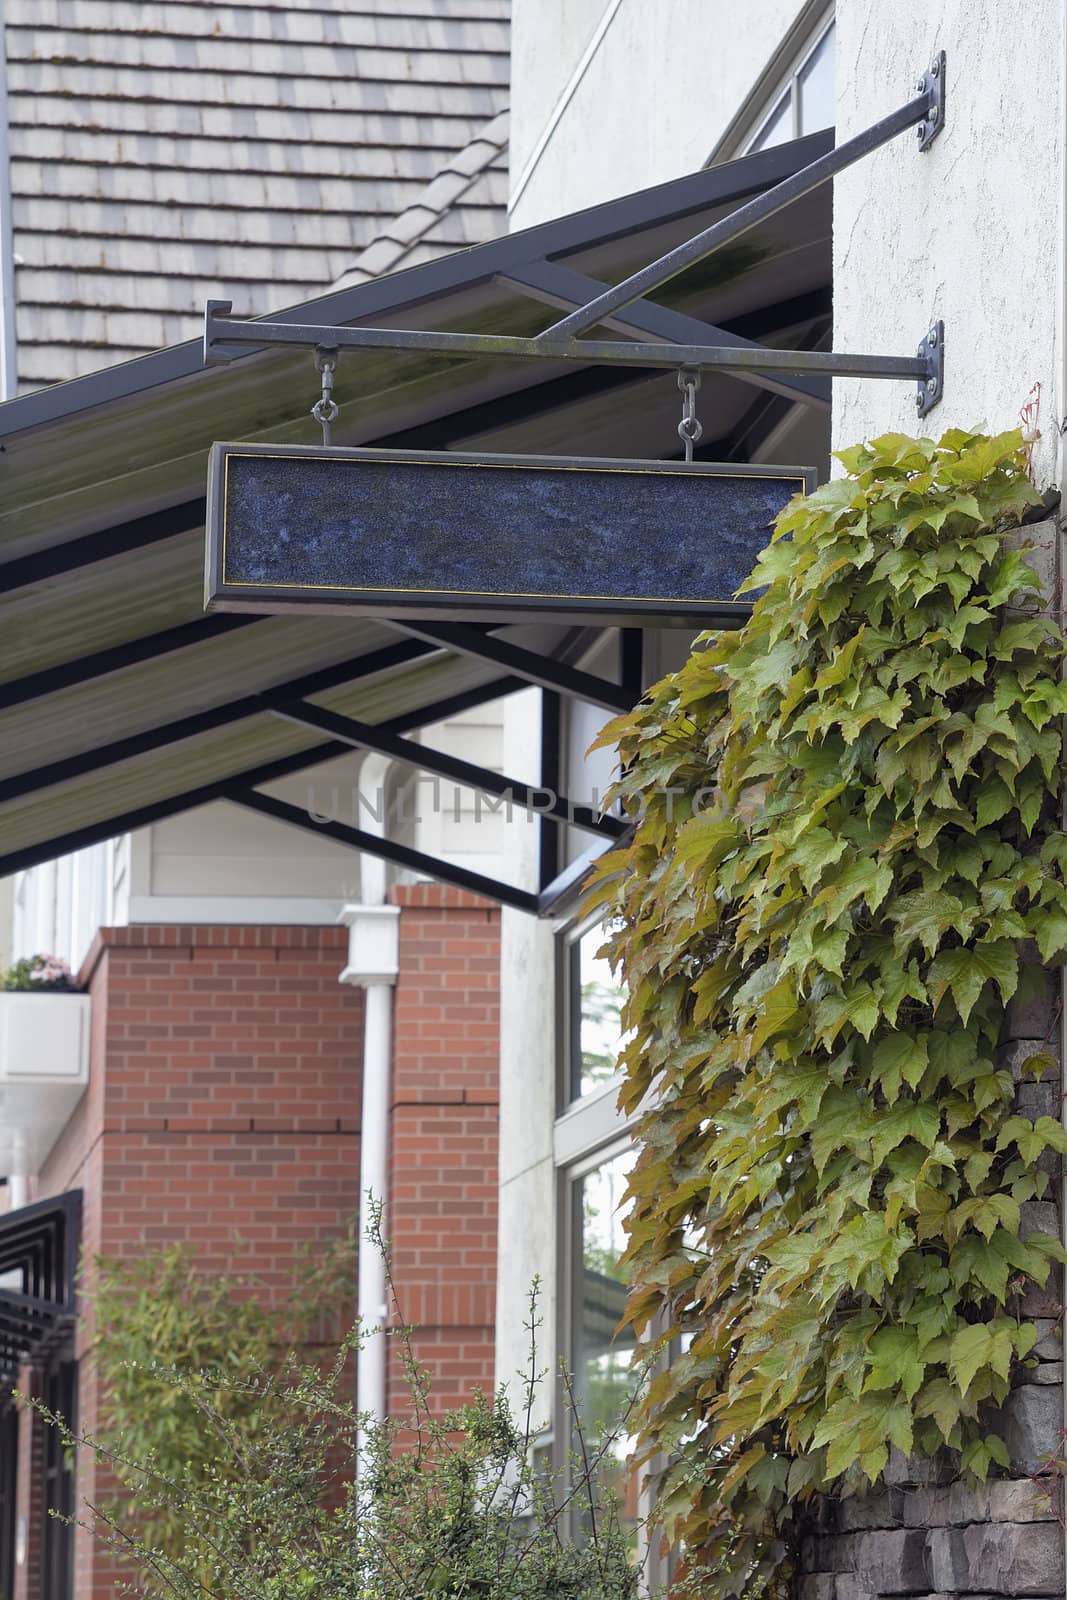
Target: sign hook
690	430
325	409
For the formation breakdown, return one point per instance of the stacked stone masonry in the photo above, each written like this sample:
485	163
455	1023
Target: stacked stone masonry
924	1534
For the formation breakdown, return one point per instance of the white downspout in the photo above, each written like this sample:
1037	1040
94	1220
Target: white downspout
18	1182
373	965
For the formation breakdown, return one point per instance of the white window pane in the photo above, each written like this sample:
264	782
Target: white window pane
778	127
596	1006
817	102
604	1379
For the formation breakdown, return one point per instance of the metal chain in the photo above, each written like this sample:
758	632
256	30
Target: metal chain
325	410
689	429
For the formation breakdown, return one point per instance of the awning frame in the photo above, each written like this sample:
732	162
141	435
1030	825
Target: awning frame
530	262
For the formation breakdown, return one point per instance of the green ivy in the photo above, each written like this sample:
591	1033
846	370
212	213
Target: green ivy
846	826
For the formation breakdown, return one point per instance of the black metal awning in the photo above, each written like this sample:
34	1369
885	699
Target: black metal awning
38	1260
121	703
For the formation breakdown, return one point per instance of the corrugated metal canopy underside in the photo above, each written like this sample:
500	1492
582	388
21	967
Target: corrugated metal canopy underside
119	698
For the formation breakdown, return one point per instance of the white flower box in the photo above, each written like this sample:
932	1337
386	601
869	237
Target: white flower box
44	1071
44	1036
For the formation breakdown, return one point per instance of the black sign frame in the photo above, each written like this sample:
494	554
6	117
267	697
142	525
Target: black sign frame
226	592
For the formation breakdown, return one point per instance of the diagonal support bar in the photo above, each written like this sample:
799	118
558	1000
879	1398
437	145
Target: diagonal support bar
536	669
365	736
552	283
401	855
925	109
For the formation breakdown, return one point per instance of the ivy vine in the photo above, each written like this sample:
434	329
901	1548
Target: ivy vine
846	827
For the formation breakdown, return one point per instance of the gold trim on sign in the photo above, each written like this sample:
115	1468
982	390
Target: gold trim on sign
492	466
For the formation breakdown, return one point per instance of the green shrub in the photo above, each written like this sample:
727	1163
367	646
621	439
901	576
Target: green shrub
238	1459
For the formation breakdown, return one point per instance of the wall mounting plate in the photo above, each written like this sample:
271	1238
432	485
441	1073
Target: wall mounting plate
932	84
930	389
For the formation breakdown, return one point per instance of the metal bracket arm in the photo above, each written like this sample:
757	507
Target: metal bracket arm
223	333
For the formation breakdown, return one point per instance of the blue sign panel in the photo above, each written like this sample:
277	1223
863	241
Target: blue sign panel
462	536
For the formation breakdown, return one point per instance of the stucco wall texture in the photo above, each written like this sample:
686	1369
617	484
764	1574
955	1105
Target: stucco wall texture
970	231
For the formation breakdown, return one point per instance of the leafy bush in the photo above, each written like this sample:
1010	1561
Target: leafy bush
158	1317
240	1468
846	826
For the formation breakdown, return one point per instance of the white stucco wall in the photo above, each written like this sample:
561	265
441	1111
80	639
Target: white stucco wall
527	1231
656	97
970	231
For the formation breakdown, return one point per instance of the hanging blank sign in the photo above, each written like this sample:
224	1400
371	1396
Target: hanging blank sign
416	534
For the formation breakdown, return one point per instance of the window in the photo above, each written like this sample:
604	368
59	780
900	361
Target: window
592	1149
594	1005
599	1358
804	102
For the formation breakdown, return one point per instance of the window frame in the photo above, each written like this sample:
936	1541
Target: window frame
790	85
569	1257
781	77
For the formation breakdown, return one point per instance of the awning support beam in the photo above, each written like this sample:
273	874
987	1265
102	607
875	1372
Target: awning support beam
222	330
250	777
529	797
401	855
540	670
390	657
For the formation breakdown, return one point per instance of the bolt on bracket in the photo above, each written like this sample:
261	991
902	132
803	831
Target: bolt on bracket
930	388
932	85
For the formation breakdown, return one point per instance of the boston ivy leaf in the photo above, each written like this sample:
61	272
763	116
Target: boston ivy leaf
895	1361
941	1400
988	1212
921	1122
971	1348
966	972
898	1058
925	915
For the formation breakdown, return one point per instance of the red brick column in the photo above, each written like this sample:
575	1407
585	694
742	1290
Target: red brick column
442	1217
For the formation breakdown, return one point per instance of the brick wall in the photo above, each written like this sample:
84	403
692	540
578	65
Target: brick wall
443	1210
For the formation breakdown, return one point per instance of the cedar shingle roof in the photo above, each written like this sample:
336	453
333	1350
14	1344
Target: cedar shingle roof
167	151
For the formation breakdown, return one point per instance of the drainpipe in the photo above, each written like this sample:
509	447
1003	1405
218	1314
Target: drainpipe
18	1181
373	964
